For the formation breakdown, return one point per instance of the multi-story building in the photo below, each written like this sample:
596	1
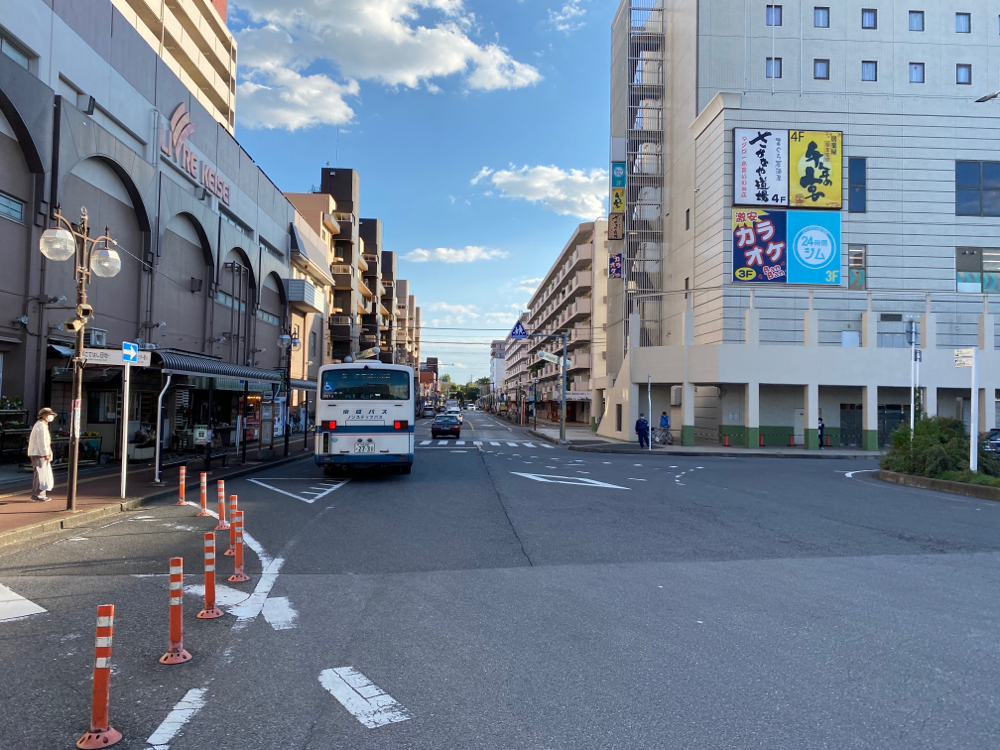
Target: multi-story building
800	183
497	371
387	334
517	377
373	322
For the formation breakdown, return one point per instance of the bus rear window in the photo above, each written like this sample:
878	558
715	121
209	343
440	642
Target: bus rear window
365	385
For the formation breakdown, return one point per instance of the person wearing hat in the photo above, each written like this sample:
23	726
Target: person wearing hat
40	453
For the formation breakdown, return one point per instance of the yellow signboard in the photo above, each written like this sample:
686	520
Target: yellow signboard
617	200
815	174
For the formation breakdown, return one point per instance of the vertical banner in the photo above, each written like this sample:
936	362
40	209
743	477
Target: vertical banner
814	247
617	174
616	226
760	162
615	266
759	242
617	200
816	168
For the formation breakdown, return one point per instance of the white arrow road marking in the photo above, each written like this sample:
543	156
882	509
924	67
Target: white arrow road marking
182	713
318	495
367	702
248	610
850	474
16	607
279	613
583	481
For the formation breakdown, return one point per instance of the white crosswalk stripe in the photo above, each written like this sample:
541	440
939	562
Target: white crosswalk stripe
529	445
442	442
425	442
477	442
494	443
459	442
546	445
513	444
470	443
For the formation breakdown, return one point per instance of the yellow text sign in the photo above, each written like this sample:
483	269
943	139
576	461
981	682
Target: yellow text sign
815	174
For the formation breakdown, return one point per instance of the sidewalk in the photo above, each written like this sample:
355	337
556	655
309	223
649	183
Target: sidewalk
98	494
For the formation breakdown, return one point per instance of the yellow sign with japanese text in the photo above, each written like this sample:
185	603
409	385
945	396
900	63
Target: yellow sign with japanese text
815	174
617	200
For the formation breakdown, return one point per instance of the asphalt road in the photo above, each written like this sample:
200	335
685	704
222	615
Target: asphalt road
514	595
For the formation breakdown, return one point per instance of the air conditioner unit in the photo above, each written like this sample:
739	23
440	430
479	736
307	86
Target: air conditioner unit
95	337
675	395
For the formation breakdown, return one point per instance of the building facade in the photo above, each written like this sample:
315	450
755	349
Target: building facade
799	184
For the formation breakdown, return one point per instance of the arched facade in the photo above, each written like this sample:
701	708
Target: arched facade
182	286
236	301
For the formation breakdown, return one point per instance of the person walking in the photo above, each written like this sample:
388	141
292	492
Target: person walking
642	430
819	431
40	453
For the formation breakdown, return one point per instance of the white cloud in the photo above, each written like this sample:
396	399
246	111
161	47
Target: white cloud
468	254
289	50
569	17
481	175
574	192
529	285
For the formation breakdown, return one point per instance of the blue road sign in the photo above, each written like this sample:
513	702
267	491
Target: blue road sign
518	331
130	351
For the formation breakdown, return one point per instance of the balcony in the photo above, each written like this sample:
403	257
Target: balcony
371	259
576	312
363	288
341	328
362	264
303	296
331	224
579	361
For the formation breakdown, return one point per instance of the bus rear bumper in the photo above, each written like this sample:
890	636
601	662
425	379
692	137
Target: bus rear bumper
364	459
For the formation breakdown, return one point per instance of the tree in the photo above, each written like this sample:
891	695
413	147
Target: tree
483	381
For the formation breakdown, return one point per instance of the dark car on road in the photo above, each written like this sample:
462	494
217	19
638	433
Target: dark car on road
446	425
991	442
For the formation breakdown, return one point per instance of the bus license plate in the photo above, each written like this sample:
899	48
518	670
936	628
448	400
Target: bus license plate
364	447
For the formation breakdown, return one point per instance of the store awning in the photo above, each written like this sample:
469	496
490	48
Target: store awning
180	364
303	385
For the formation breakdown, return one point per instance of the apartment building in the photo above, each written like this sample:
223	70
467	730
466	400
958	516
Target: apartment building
497	369
387	333
800	182
407	326
191	37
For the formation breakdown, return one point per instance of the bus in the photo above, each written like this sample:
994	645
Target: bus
365	417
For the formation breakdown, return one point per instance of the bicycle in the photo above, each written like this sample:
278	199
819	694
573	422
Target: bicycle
662	436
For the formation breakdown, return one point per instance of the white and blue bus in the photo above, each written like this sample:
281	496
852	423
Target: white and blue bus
365	416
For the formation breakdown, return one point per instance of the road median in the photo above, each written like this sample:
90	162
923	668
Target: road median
982	492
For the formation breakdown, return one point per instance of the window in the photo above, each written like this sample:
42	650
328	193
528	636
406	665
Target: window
774	15
227	301
821	69
687	218
869	70
869	18
233	221
11	207
963	74
916	72
271	250
267	317
977	269
963	23
102	407
916	20
856	276
773	67
370	384
977	188
821	18
857	185
14	52
618	417
312	343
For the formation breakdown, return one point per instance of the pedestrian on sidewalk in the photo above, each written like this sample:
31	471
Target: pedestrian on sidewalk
40	453
642	430
819	430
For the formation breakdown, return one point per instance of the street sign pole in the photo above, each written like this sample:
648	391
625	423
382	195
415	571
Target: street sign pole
974	421
128	370
911	333
562	405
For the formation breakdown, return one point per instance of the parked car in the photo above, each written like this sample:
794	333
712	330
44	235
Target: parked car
446	425
991	442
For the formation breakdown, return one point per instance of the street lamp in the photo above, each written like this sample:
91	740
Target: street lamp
60	243
288	343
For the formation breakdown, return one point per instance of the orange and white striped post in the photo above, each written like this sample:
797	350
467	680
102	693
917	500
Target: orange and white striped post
204	496
100	734
238	574
210	612
232	527
223	526
175	648
181	486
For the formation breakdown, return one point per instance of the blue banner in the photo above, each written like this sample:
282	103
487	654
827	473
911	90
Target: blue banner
759	241
814	247
617	174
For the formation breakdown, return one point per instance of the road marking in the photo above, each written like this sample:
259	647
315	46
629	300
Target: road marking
425	442
246	611
442	442
279	613
477	442
850	474
460	442
546	445
366	702
16	607
257	547
493	443
529	445
514	444
192	702
309	500
634	479
581	481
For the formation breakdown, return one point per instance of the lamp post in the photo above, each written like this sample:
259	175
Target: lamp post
288	343
60	243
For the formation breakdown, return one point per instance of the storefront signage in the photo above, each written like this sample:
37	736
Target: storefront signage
786	247
616	226
617	174
761	163
617	200
816	165
109	357
173	144
615	266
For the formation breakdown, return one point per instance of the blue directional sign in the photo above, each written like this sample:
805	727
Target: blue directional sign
518	331
130	351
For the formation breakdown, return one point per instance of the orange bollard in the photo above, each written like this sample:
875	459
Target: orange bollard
232	528
761	441
175	650
210	612
180	489
238	574
100	734
791	441
204	496
725	442
223	526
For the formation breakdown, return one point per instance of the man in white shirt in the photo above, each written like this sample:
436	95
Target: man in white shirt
40	453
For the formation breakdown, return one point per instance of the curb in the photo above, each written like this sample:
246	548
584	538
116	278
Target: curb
86	517
978	491
746	453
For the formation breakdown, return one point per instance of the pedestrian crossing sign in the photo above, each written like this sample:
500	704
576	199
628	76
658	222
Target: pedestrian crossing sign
518	331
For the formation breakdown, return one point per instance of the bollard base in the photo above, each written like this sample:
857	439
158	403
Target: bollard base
203	514
223	526
181	502
229	552
238	578
210	614
176	657
99	738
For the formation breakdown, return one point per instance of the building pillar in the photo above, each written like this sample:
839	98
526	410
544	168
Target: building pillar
987	407
810	433
687	407
751	415
929	402
869	417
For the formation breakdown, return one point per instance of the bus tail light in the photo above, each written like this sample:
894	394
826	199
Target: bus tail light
400	424
332	424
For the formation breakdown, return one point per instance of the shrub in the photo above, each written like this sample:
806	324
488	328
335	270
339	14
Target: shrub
938	446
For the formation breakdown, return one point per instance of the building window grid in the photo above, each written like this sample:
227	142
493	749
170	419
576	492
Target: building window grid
11	208
856	268
14	52
869	70
869	18
773	15
916	72
821	17
916	20
977	188
271	251
857	185
821	70
963	23
267	317
977	270
963	74
773	67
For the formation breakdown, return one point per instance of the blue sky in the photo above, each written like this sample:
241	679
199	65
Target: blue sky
479	128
